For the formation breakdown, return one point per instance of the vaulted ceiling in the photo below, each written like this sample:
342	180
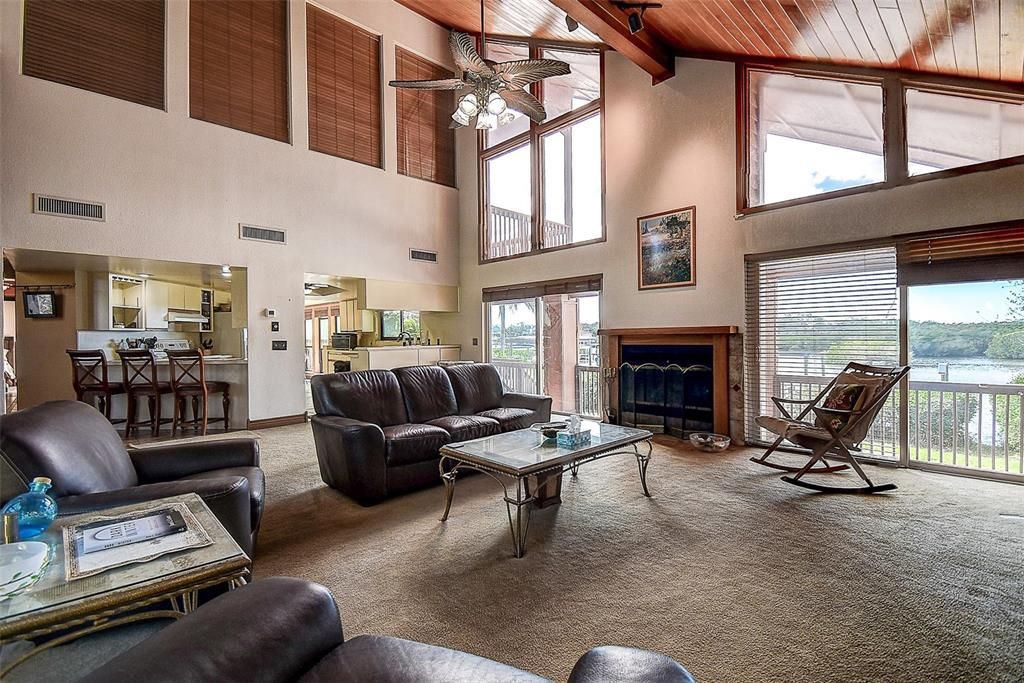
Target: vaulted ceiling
968	38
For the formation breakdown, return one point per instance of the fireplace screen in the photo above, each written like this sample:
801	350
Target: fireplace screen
667	389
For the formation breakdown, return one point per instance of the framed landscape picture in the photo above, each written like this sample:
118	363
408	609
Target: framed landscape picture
665	249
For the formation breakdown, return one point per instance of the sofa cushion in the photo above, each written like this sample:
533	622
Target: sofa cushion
367	395
383	659
466	427
477	387
427	392
408	443
510	419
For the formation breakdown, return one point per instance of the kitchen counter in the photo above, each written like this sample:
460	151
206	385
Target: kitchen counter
397	356
392	347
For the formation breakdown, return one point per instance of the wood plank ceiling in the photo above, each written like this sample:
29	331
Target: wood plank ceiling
967	38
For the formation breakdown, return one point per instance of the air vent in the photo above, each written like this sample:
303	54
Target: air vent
423	255
68	208
260	234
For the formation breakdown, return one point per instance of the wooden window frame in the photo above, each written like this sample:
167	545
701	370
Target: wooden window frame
894	85
399	92
533	137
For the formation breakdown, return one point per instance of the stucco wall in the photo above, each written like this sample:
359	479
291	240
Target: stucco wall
176	188
674	145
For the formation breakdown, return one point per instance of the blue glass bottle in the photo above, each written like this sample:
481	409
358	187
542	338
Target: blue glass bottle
35	509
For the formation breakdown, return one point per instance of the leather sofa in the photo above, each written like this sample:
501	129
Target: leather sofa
378	432
77	448
284	629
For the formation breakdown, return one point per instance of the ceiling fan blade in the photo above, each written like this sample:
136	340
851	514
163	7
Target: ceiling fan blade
524	103
522	72
440	84
465	56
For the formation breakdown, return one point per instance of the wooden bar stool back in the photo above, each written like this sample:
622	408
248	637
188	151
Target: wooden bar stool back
188	381
90	380
140	380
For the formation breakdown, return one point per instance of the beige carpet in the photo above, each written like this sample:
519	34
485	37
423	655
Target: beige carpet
737	575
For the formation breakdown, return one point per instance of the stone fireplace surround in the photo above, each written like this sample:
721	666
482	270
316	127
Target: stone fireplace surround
727	367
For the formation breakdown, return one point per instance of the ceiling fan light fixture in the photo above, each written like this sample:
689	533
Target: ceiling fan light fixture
506	117
460	117
486	121
469	105
496	104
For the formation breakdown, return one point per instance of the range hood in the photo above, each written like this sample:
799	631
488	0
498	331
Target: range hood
183	316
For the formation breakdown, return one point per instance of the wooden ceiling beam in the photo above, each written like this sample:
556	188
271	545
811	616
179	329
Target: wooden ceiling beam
610	24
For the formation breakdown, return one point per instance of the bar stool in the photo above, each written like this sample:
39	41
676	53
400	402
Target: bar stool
188	380
89	377
139	367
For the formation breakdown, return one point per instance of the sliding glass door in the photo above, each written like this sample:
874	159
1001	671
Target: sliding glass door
549	345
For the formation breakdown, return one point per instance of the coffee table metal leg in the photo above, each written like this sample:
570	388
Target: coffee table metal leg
449	487
642	460
519	523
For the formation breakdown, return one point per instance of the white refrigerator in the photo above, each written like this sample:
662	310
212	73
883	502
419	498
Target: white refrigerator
226	339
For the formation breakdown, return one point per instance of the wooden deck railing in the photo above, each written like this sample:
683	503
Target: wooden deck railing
511	232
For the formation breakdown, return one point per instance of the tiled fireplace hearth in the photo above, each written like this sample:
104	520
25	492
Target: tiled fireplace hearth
674	380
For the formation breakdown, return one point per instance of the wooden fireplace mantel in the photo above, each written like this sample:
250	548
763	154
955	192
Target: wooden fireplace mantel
716	336
653	331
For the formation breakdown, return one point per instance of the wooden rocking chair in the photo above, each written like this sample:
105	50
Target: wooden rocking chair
843	413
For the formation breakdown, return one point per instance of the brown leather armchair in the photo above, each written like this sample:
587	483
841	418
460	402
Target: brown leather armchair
77	448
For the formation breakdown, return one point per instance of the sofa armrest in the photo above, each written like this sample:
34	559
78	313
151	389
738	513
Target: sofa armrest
174	461
351	454
535	402
227	497
271	630
615	664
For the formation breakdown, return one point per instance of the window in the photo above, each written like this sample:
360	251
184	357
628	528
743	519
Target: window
393	323
807	135
949	131
238	65
524	213
426	141
111	48
344	88
812	135
807	317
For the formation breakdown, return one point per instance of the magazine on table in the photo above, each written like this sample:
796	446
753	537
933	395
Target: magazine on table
104	542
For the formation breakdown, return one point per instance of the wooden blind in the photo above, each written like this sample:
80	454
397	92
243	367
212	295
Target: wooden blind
807	317
343	66
963	256
426	141
238	65
532	290
114	48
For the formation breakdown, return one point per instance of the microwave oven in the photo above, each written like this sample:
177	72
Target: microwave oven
344	340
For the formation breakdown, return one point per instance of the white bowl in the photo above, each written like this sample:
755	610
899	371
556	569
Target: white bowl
21	562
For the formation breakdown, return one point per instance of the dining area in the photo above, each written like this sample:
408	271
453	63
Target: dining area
153	393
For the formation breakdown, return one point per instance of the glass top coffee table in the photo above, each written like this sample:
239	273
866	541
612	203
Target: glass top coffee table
530	469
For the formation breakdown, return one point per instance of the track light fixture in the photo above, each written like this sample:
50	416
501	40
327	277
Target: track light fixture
635	12
571	23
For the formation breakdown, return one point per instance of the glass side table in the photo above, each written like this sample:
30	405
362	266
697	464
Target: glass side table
72	609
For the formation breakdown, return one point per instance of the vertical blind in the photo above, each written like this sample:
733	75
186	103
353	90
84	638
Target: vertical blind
343	66
238	65
114	48
807	317
426	141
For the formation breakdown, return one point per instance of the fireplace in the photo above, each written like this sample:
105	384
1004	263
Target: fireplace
671	380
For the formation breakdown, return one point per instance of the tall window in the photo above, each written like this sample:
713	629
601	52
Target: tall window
394	323
238	65
813	134
344	88
111	48
426	141
543	183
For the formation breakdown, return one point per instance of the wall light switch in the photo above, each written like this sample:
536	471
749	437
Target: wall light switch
476	342
275	326
278	345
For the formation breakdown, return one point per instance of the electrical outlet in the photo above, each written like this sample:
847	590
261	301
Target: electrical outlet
275	326
278	345
476	342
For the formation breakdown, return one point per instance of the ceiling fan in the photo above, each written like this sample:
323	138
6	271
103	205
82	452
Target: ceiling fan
321	289
496	88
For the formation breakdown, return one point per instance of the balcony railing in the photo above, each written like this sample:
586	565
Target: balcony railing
976	426
511	232
522	377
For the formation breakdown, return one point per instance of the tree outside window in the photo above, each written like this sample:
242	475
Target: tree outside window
393	323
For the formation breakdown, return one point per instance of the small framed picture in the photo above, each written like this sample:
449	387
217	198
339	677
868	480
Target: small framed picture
665	249
40	305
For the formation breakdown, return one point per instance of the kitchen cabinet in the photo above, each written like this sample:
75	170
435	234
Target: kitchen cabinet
451	353
390	357
193	298
175	296
124	301
156	305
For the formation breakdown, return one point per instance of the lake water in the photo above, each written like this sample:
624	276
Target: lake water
972	370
